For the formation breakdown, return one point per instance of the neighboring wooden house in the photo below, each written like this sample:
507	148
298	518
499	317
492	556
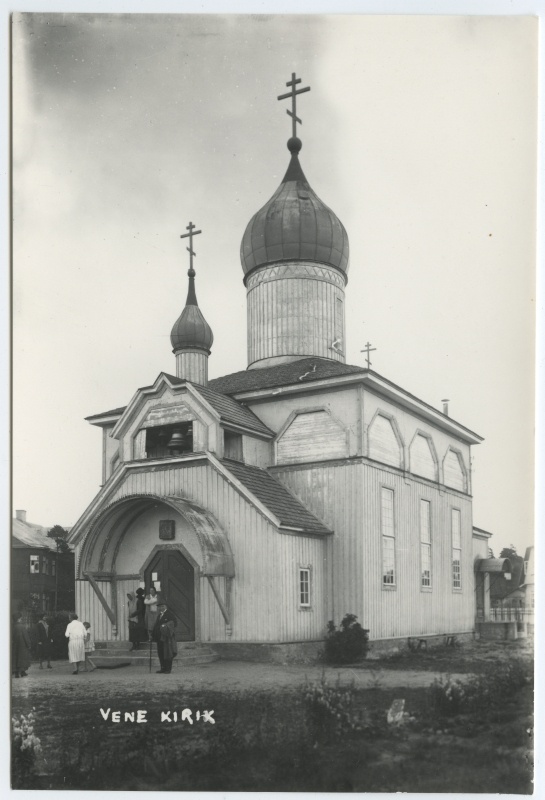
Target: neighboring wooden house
37	570
266	502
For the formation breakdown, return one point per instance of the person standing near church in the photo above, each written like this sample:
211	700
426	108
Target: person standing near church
20	647
44	642
165	636
76	634
150	602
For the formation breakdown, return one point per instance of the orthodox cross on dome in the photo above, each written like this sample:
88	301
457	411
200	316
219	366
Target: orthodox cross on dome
293	94
368	349
191	234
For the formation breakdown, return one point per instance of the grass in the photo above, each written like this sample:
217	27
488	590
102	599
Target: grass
319	738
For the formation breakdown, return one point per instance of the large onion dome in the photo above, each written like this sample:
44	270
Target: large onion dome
295	225
191	330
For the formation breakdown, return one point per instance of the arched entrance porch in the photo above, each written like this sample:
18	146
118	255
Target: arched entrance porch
192	554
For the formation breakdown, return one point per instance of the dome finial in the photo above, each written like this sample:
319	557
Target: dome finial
293	113
191	336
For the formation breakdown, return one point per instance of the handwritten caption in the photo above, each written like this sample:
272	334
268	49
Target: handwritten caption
185	715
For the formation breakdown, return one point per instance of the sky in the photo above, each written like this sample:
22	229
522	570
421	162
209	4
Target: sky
419	132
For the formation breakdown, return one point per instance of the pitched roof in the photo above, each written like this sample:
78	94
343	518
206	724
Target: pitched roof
25	534
303	371
229	410
232	411
276	497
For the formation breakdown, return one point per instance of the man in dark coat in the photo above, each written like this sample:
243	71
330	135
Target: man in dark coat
164	634
44	641
20	647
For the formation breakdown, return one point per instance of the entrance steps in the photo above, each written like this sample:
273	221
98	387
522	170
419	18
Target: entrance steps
109	655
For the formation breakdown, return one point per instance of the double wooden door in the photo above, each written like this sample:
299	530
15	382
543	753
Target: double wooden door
177	578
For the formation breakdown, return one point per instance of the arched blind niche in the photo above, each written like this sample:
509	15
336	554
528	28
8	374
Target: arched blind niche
454	471
384	445
422	461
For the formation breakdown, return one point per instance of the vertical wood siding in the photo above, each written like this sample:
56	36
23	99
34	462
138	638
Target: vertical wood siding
265	588
90	610
347	497
293	316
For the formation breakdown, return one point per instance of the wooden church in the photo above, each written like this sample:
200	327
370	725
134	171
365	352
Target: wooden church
266	502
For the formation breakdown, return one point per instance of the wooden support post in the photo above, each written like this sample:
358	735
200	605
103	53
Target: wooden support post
102	599
221	604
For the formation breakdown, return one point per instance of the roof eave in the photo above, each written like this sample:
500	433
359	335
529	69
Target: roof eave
376	383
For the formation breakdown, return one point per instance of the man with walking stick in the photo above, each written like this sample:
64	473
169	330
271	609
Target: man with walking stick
165	636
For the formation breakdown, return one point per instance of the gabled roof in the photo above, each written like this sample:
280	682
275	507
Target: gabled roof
303	371
230	411
276	497
25	534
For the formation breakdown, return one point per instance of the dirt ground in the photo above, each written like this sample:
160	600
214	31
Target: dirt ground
410	670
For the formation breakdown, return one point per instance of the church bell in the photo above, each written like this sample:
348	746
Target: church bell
179	442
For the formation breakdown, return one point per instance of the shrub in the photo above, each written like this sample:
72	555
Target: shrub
332	712
347	644
479	692
25	747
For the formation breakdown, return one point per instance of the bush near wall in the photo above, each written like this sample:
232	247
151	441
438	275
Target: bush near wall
346	644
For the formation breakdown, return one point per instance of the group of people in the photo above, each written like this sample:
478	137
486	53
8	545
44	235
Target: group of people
150	620
80	644
142	616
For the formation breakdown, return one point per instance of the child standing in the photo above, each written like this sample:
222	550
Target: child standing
89	646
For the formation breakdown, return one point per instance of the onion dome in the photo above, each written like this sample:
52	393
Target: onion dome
191	330
295	225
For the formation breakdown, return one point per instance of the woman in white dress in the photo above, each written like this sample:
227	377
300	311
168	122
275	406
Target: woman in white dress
150	601
76	634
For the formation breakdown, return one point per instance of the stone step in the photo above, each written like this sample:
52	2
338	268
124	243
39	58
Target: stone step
108	657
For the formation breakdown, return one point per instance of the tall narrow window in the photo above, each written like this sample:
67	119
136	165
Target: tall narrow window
388	536
456	550
34	563
339	324
425	544
304	587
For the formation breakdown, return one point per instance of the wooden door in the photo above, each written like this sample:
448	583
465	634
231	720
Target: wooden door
177	578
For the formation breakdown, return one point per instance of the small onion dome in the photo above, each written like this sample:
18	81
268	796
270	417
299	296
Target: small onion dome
191	330
294	225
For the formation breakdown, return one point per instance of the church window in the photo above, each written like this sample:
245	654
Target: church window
34	564
169	440
304	587
388	536
425	544
456	550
